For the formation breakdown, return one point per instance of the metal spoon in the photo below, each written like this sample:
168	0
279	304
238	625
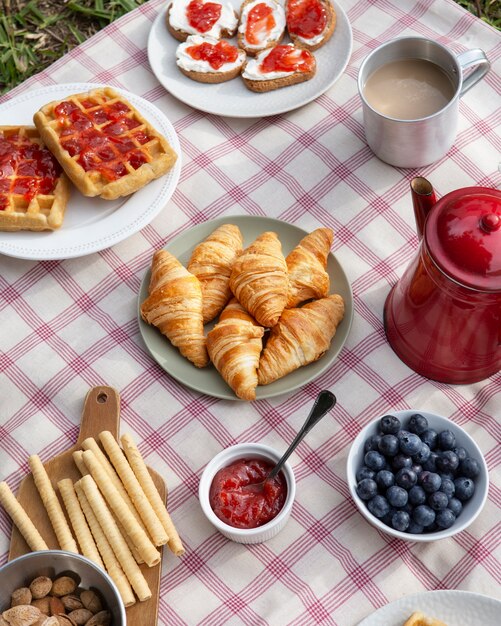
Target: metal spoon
323	404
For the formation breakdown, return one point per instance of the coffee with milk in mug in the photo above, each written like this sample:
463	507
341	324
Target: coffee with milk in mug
408	89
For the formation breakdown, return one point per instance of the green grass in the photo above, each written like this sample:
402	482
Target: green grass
34	33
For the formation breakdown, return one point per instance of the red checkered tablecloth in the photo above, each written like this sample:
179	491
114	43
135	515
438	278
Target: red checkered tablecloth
69	325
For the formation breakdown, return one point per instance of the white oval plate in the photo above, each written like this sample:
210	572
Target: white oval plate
455	608
232	98
207	380
90	224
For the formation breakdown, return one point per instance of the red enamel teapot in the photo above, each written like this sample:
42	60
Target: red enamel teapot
443	317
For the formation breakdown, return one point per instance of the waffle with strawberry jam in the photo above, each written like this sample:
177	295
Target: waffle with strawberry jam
104	144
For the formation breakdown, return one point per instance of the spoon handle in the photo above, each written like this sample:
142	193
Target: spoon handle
323	404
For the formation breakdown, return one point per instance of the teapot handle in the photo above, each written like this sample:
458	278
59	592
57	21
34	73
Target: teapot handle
469	59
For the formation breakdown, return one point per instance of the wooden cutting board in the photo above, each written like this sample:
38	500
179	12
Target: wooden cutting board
101	412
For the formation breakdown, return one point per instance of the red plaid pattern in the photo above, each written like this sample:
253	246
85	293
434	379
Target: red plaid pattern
72	324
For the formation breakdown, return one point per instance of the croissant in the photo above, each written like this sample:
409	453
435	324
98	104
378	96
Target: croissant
211	262
259	279
174	306
300	337
306	265
234	346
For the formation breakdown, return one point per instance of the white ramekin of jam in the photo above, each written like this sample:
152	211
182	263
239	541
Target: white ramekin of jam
235	500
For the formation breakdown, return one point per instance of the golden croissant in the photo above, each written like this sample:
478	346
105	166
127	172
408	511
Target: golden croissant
300	337
211	262
259	279
174	306
306	265
234	346
420	619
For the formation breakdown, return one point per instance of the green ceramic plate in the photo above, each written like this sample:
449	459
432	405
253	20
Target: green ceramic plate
208	380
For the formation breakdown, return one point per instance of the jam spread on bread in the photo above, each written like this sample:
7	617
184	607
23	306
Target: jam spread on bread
286	58
215	54
306	18
260	22
202	16
26	169
100	138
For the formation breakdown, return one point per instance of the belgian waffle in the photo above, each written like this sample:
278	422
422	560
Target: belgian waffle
420	619
33	188
103	143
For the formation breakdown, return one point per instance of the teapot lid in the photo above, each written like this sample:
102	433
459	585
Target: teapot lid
463	233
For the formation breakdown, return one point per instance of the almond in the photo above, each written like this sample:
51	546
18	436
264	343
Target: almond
56	607
20	596
103	618
43	604
91	601
64	620
21	615
63	586
40	587
80	616
47	621
71	602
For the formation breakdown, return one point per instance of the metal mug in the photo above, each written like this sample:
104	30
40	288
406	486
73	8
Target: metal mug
418	142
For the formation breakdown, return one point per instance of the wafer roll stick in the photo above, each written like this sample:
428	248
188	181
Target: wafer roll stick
79	462
91	444
139	468
138	536
153	524
52	505
111	563
82	468
117	542
77	519
20	518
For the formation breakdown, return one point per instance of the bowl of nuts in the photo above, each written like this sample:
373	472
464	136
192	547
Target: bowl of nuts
58	588
417	476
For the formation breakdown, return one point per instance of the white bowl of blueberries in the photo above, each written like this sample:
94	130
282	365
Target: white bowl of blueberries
417	476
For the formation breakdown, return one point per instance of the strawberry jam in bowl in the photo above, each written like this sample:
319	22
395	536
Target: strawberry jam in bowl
235	500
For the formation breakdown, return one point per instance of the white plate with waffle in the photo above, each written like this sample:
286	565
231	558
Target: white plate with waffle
452	607
90	224
232	98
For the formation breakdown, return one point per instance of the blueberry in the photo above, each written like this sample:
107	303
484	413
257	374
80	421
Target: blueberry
401	460
390	425
400	520
378	506
423	454
365	472
430	481
438	500
445	519
447	486
430	465
446	440
423	515
409	442
455	506
417	424
464	488
417	469
469	467
374	460
367	489
417	495
429	437
386	519
397	496
460	453
405	478
447	462
372	443
388	445
415	529
385	479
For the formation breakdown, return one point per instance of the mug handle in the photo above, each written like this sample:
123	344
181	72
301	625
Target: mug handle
468	59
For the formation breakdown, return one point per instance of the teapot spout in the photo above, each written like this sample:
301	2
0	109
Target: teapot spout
423	200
